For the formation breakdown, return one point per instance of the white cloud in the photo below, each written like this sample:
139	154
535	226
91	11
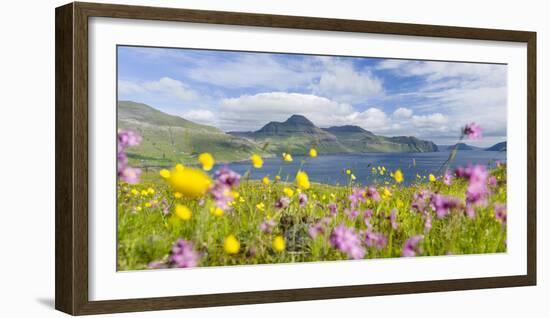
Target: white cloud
251	112
248	70
402	112
129	88
434	71
254	111
164	87
342	82
201	116
435	121
463	92
169	86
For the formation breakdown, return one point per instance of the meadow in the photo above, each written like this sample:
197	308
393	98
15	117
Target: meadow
195	215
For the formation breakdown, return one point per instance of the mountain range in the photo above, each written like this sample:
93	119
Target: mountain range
501	146
168	138
297	134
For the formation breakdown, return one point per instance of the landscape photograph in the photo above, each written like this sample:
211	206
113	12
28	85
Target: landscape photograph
247	158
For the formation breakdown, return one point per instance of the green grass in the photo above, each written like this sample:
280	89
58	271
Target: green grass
146	233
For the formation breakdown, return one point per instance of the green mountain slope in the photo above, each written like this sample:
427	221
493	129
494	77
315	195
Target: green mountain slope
297	134
360	140
168	139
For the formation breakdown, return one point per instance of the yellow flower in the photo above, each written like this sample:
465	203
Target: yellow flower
288	191
207	161
302	180
235	194
348	171
432	178
312	153
265	180
257	161
148	204
260	206
399	203
287	157
179	167
216	211
189	182
138	208
398	176
353	177
278	243
151	191
144	192
277	178
386	193
135	192
178	195
183	212
231	245
164	173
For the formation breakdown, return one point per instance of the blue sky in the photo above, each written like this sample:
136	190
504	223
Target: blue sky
244	90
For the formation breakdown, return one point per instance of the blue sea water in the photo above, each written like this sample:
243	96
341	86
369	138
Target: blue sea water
331	168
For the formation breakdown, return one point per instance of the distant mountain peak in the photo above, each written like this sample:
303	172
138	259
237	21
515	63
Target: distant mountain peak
346	129
299	120
294	124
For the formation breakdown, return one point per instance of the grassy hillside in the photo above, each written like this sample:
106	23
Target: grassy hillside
168	139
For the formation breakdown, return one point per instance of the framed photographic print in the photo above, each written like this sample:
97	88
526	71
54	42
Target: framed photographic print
211	158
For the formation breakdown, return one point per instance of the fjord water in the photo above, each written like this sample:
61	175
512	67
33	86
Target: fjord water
330	168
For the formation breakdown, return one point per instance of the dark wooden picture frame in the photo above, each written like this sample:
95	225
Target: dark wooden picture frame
71	90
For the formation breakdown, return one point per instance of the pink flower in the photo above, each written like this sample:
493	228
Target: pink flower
127	138
226	179
447	178
282	203
472	131
373	194
267	226
351	213
393	219
357	196
411	248
442	205
427	222
302	199
333	208
125	173
130	175
500	212
367	215
419	200
377	240
346	240
319	227
183	255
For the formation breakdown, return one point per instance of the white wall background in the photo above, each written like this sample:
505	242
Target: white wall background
27	158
